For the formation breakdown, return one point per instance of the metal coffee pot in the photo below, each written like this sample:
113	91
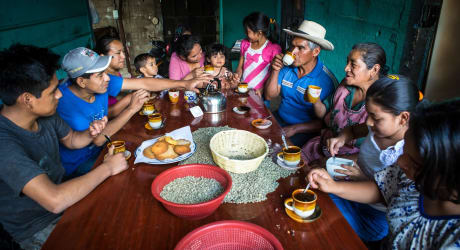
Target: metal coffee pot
212	99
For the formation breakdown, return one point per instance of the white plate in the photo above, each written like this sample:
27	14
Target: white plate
140	149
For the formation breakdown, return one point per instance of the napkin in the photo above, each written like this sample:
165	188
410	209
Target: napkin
180	133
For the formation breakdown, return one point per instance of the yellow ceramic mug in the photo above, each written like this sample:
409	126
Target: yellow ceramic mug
173	95
155	121
119	146
302	204
290	156
313	93
243	87
148	108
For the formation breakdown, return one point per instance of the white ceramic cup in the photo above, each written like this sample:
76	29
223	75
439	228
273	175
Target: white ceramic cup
334	163
288	58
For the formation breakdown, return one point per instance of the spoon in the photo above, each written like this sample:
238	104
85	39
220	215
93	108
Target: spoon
284	141
306	189
268	117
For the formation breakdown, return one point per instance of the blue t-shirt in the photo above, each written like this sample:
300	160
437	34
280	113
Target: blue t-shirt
294	109
79	114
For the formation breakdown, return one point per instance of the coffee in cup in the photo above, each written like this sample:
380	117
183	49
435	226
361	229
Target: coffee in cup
290	156
243	87
313	93
288	58
173	95
155	121
302	204
119	146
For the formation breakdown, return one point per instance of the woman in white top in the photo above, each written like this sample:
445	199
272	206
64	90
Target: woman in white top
389	102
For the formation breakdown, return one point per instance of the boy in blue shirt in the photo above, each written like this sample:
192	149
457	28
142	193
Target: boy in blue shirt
85	98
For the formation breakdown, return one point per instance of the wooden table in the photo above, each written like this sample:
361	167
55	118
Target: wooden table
121	213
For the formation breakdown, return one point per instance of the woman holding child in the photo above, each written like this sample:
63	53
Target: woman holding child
188	59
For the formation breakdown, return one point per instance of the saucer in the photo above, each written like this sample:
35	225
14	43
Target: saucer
147	126
264	125
283	165
316	215
239	111
142	112
127	155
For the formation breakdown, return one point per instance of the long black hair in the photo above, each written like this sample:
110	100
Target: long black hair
25	68
184	45
103	44
258	21
394	93
436	132
373	54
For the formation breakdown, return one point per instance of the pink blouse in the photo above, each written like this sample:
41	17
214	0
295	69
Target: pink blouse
179	68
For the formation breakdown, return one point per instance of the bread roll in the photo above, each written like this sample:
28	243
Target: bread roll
169	154
170	140
182	149
159	147
148	152
183	142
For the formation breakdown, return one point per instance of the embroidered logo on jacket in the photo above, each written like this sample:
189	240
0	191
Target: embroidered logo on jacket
287	84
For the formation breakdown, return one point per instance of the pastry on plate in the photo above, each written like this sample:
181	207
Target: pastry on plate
148	152
169	154
159	147
182	149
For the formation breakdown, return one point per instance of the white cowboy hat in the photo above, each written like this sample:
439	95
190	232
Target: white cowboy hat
313	32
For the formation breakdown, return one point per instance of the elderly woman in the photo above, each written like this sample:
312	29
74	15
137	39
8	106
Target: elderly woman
365	64
188	59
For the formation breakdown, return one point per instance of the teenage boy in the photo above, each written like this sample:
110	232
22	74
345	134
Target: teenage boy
31	188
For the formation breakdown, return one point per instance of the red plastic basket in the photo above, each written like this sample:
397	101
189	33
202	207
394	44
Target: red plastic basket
192	211
230	234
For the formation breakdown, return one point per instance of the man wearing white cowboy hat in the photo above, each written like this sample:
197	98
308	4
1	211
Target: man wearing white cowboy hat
295	114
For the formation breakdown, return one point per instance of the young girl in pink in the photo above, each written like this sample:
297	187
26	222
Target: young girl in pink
256	51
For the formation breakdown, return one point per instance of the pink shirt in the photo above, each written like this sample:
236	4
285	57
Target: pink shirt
179	68
256	65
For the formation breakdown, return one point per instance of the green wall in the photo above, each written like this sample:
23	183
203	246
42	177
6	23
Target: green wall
58	25
352	21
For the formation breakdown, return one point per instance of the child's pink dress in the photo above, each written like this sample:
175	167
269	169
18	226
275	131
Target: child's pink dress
256	65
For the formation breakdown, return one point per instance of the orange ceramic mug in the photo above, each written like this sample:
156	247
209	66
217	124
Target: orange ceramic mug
302	204
290	156
173	95
243	87
148	108
155	121
313	93
119	146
